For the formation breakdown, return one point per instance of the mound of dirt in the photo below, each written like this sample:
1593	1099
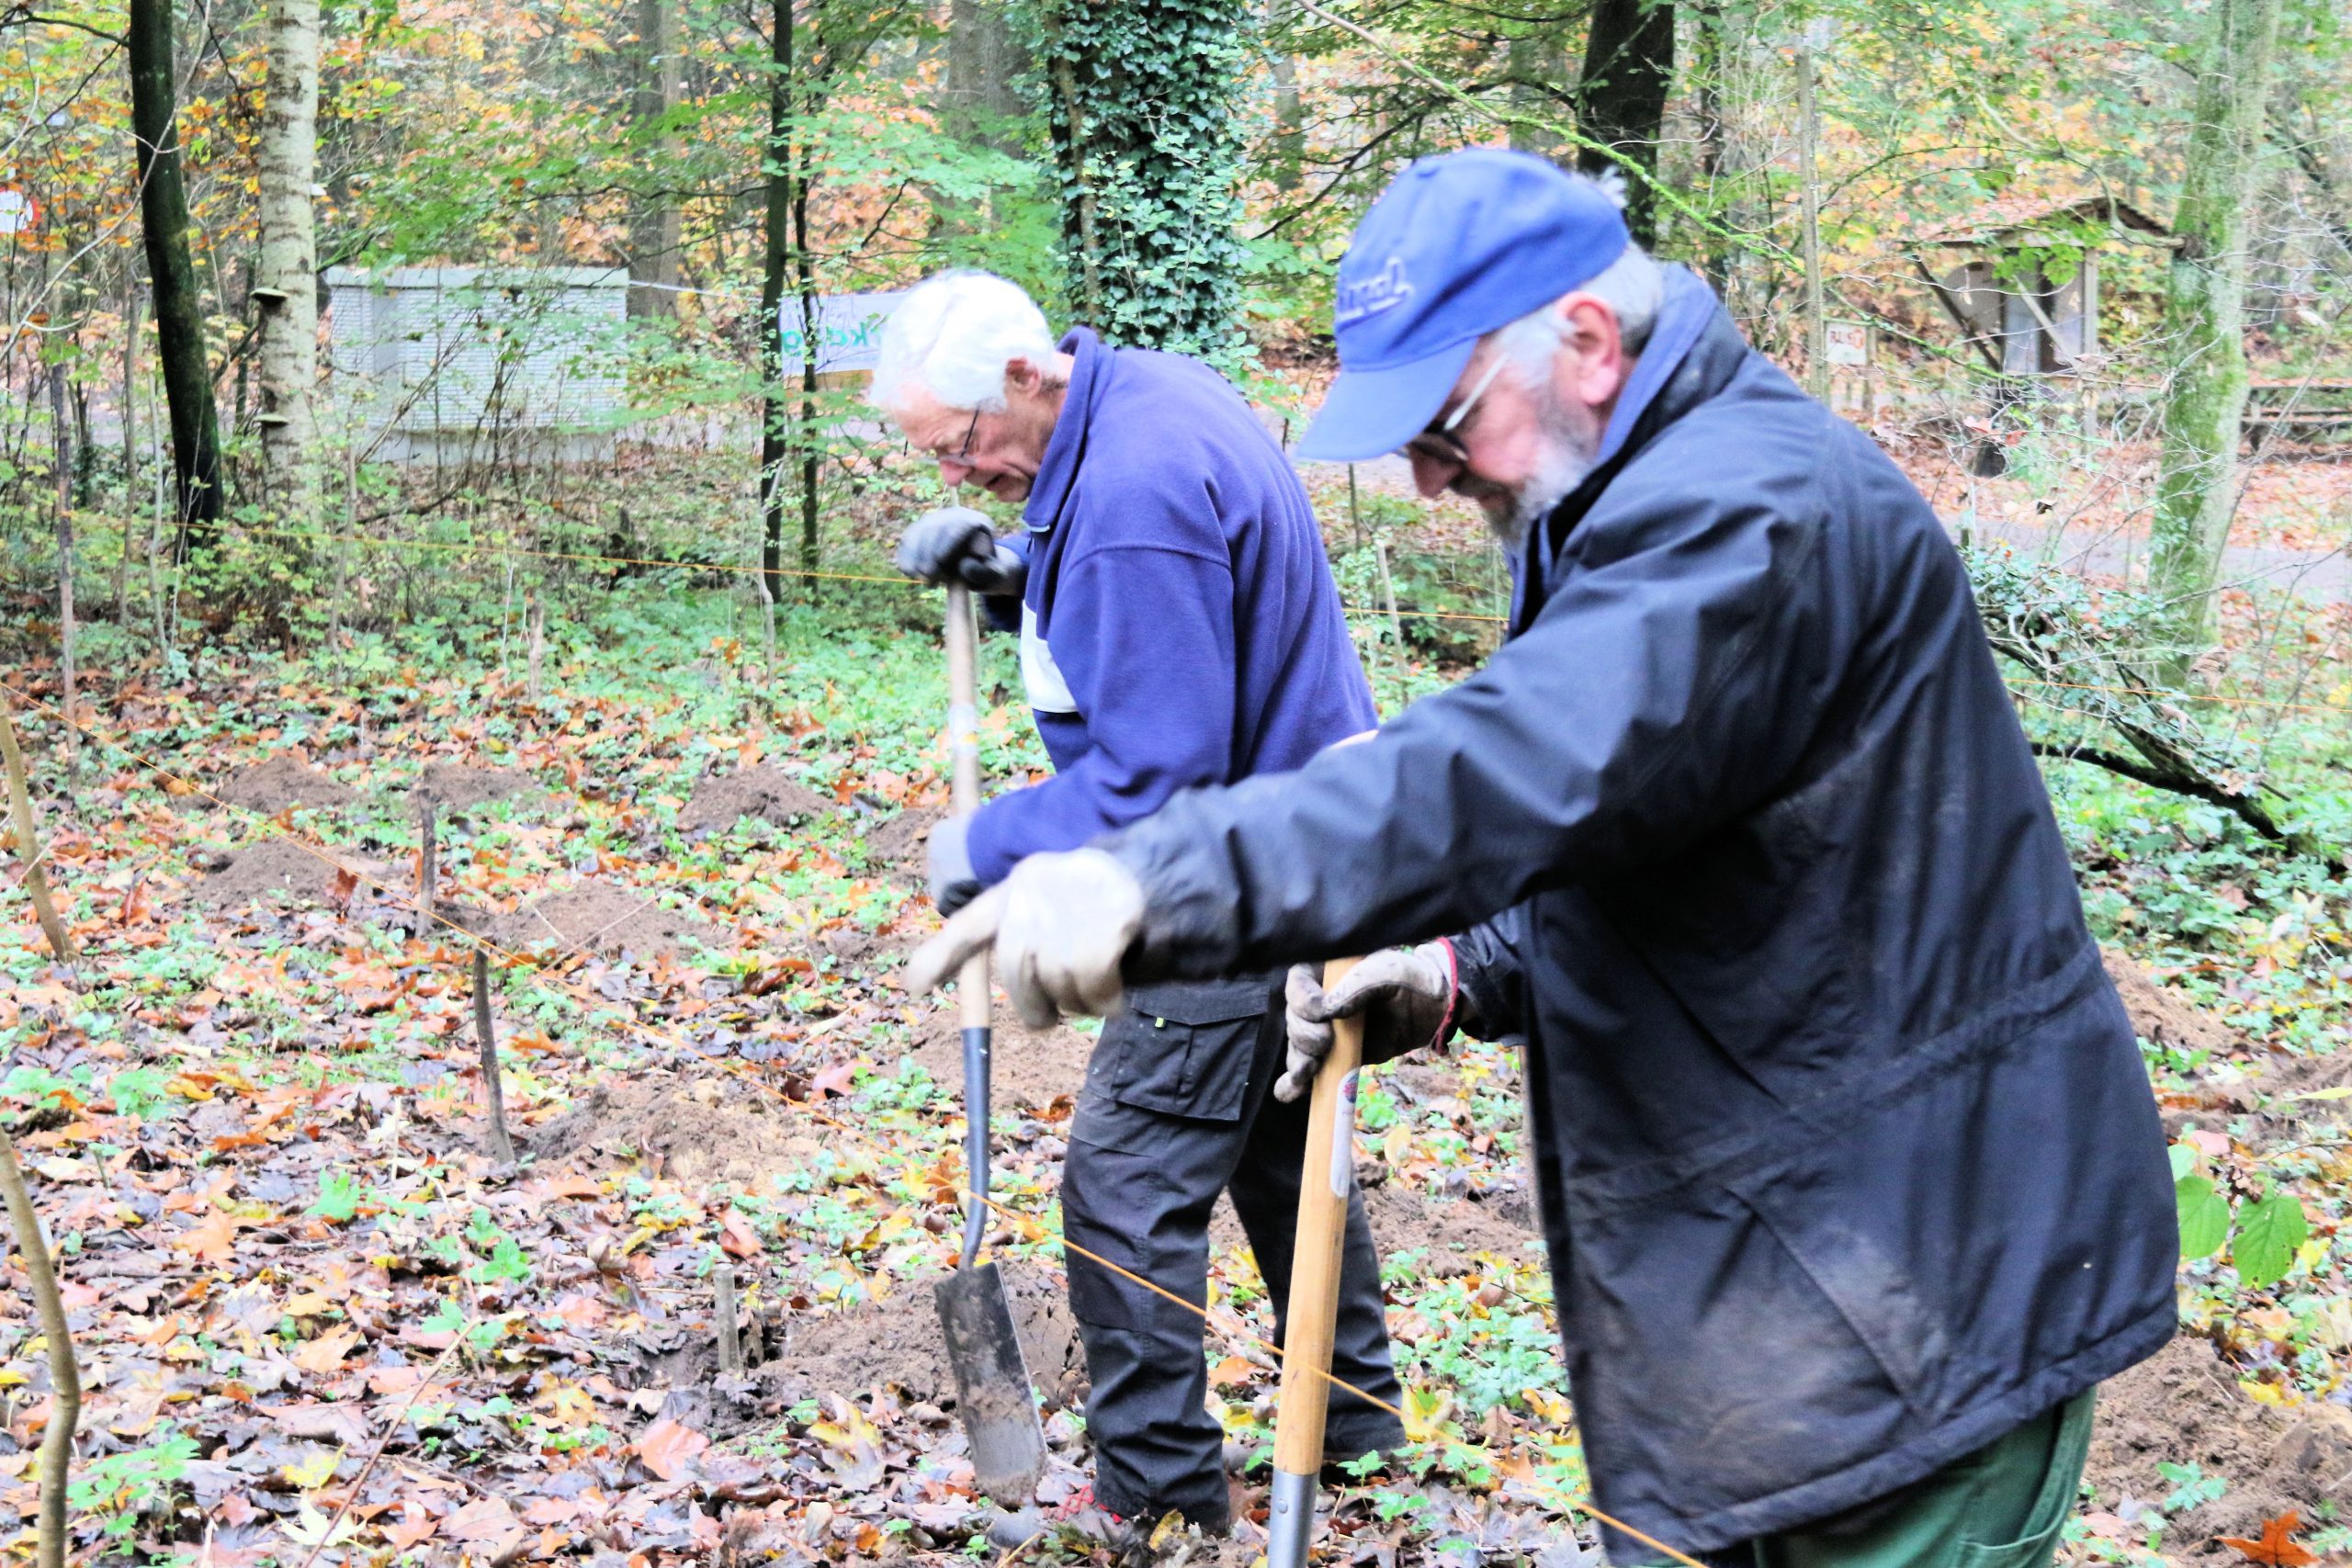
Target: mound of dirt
2163	1017
1454	1231
2182	1406
285	781
458	786
721	801
695	1131
1028	1069
898	845
610	922
897	1343
258	871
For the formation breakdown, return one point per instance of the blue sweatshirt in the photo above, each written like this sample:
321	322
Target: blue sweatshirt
1179	626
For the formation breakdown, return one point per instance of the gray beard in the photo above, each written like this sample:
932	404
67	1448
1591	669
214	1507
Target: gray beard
1563	469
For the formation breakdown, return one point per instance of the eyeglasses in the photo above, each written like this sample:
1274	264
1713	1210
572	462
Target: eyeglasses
1439	443
963	457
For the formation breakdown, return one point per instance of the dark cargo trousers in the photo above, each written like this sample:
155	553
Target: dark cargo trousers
1177	1107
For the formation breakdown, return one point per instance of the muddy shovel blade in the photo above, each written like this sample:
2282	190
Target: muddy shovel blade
992	1386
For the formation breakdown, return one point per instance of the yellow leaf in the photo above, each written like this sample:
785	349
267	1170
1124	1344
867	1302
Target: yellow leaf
315	1472
571	1407
1396	1143
1425	1410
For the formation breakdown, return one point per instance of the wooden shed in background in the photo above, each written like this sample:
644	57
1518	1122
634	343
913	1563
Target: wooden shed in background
2002	298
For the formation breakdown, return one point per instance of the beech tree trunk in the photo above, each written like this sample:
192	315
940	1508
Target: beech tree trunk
286	285
2205	326
179	303
655	229
1628	71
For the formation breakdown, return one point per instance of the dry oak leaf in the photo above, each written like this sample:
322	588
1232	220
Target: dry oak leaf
327	1352
2275	1548
212	1239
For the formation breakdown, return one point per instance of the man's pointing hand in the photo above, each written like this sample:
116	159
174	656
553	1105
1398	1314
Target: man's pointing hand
1060	924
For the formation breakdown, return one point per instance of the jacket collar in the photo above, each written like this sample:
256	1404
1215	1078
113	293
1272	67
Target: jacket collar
1057	469
1692	354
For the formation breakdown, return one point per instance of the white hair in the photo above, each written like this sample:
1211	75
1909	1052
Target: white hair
1633	287
953	336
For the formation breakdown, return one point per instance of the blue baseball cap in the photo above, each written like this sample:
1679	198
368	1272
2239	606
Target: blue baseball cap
1459	245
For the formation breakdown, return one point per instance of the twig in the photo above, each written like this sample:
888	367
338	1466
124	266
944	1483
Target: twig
29	850
427	871
502	1146
391	1429
64	1373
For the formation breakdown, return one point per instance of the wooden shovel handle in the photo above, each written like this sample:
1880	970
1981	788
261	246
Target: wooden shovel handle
964	751
1325	1184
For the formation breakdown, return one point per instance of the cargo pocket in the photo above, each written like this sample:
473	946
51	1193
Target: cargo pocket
1181	1049
2054	1504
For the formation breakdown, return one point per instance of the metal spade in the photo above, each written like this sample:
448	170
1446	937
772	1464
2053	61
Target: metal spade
992	1380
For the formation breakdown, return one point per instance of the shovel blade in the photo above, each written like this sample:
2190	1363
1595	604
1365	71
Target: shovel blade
992	1386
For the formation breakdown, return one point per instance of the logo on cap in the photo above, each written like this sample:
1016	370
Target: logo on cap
1383	291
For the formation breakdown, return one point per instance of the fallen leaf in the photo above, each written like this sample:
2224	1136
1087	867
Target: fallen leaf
327	1352
2275	1548
668	1446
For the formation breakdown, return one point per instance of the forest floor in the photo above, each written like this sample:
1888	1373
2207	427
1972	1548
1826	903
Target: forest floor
320	1321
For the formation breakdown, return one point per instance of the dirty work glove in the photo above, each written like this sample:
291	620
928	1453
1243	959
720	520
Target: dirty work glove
957	543
1404	995
1061	924
953	883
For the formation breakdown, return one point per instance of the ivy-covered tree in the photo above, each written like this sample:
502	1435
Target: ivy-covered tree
1140	103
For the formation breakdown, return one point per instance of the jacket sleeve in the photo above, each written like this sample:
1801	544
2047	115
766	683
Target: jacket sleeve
1670	681
1145	638
1489	981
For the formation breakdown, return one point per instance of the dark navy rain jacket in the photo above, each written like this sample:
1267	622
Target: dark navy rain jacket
1847	1160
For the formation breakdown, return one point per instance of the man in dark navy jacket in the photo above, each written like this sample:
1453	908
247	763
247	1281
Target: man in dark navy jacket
1850	1172
1179	626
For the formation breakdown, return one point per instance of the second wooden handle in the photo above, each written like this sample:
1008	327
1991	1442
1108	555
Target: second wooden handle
1325	1185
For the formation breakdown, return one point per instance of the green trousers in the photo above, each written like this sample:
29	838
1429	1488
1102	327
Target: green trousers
2001	1506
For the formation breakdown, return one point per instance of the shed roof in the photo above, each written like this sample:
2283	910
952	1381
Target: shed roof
2013	218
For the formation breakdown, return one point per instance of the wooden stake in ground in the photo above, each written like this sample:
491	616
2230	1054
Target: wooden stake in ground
64	1373
731	1334
535	618
36	879
428	870
65	566
502	1146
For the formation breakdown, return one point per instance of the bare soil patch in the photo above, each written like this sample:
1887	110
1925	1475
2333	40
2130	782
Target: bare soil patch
1028	1069
1454	1231
2161	1015
721	801
694	1131
898	1344
286	782
898	845
460	786
257	871
2182	1406
605	920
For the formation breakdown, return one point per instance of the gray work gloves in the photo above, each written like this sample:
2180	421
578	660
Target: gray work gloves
1404	995
1061	924
956	544
949	863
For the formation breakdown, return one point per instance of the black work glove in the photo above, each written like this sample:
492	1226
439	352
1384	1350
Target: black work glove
1404	995
952	882
956	544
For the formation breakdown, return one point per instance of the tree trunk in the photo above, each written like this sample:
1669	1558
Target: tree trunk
1713	60
1290	135
179	307
1147	233
654	225
2205	326
983	58
1628	71
805	284
775	415
286	287
1816	317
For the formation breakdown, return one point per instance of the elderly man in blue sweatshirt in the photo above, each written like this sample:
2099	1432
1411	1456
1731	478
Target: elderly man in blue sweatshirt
1179	626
